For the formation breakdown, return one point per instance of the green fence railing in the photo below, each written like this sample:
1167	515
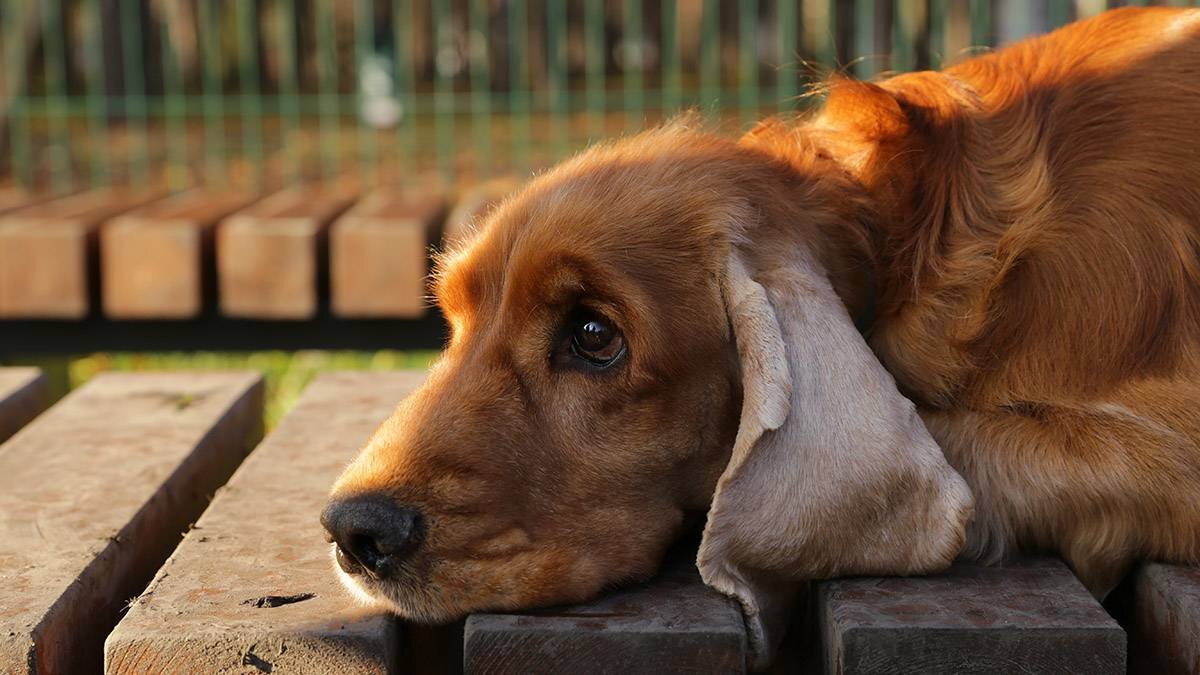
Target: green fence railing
269	92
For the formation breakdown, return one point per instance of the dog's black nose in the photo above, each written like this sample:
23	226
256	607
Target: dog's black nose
372	532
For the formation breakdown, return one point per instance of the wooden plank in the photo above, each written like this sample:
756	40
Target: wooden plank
94	495
378	254
47	253
24	392
155	260
1030	616
13	198
270	256
673	624
473	206
261	538
1164	635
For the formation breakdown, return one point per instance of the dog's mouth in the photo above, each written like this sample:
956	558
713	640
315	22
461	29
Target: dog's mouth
392	585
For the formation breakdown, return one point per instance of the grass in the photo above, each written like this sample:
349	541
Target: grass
286	373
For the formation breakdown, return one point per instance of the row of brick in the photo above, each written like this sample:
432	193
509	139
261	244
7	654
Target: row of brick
96	493
142	255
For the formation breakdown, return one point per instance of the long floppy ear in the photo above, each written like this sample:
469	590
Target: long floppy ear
832	471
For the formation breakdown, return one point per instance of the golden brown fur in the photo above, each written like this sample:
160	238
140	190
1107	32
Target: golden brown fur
1025	226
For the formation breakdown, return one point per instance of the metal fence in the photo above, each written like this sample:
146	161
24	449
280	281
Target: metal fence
255	93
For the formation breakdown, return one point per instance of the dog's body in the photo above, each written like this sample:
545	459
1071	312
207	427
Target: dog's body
1038	279
1019	238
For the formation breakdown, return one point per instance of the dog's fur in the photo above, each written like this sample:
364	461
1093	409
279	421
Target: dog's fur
1019	236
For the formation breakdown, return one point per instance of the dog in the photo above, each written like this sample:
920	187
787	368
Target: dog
946	314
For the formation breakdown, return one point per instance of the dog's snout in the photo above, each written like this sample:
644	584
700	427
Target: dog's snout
372	533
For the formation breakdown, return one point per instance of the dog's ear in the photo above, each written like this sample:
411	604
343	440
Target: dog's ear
832	471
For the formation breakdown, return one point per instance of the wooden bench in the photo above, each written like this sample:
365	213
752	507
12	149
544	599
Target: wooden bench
155	261
379	254
1030	616
48	266
24	392
674	624
271	256
252	583
95	493
135	458
140	255
474	205
1165	626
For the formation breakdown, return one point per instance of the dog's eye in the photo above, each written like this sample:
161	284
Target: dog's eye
596	340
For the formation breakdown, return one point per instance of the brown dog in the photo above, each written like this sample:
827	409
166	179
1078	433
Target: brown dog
664	325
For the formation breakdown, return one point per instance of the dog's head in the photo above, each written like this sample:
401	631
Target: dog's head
644	332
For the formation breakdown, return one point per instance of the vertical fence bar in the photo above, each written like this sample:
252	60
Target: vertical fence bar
938	13
364	38
789	60
481	85
328	90
747	61
250	111
710	54
672	67
633	66
519	84
214	114
903	25
556	48
443	94
96	95
981	22
406	131
18	108
55	108
1058	12
289	91
175	112
132	62
864	38
593	29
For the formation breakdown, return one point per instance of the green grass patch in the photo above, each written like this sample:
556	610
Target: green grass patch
285	373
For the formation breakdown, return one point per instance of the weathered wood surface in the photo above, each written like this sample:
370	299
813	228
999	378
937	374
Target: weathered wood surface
24	392
261	538
96	492
155	261
379	254
673	624
271	256
47	253
473	206
1031	616
1165	632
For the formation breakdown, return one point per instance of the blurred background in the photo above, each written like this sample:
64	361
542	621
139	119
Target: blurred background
257	95
260	93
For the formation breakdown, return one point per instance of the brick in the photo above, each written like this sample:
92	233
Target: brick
155	260
1164	635
270	256
261	538
24	392
673	624
473	206
1031	616
94	495
47	253
378	254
